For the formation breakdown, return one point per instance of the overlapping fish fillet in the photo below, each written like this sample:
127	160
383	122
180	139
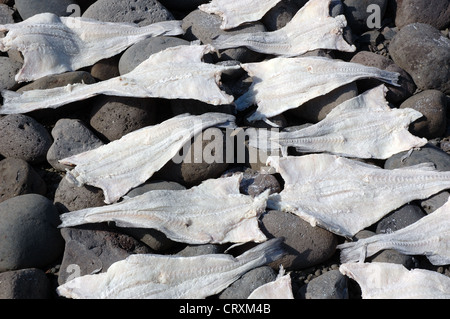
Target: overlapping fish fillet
52	44
394	281
169	276
345	196
281	84
363	127
213	212
235	13
128	162
311	28
429	236
176	72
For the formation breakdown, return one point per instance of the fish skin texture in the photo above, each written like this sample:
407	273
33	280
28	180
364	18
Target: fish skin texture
280	288
152	276
128	162
280	84
175	73
311	28
52	44
345	196
213	212
429	236
394	281
362	127
235	13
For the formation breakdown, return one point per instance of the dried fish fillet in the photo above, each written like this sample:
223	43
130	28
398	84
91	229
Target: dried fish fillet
128	162
176	72
281	84
311	28
363	127
345	196
281	288
52	44
213	212
394	281
235	13
169	276
429	236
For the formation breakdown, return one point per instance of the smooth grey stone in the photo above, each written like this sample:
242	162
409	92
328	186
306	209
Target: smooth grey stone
31	283
330	285
9	68
29	8
433	12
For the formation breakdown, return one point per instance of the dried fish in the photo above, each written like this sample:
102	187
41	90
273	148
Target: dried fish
311	28
345	196
169	276
235	13
429	236
281	288
363	127
52	44
213	212
394	281
176	72
128	162
281	84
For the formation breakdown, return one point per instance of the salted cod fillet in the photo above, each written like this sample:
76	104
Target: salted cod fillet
345	196
128	162
53	45
362	127
174	73
213	212
153	276
394	281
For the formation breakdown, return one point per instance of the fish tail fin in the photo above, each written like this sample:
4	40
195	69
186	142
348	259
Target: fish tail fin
263	139
389	77
264	253
74	218
353	251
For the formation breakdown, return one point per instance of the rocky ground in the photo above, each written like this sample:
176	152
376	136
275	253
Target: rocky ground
36	256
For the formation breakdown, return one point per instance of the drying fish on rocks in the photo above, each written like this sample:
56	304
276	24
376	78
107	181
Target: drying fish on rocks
52	44
281	288
280	84
235	13
175	73
394	281
213	212
169	276
311	28
429	236
128	162
345	196
363	127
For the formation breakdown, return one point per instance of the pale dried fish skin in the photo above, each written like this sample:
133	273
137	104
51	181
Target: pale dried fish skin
362	127
394	281
281	288
123	164
280	84
213	212
52	44
235	13
176	72
170	277
311	28
345	196
429	236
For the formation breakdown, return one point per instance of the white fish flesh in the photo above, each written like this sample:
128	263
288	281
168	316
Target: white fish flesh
213	212
281	288
175	73
394	281
429	236
311	28
151	276
363	127
280	84
128	162
52	44
345	196
235	13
